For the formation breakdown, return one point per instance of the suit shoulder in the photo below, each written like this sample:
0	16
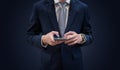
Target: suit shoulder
83	4
39	3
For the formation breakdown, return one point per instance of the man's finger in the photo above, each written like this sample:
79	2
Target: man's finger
70	41
52	35
69	33
52	44
55	33
52	39
71	36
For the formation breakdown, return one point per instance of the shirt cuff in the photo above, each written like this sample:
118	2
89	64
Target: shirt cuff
43	45
84	39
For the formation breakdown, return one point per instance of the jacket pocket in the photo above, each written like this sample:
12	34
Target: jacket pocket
45	59
77	53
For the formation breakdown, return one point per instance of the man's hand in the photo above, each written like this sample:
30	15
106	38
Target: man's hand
73	38
49	39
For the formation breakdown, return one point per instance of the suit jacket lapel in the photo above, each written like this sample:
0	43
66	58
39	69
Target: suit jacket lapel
52	14
72	13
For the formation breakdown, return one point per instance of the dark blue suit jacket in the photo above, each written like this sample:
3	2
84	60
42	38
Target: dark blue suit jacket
44	20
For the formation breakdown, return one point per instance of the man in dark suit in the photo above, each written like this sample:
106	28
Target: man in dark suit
68	19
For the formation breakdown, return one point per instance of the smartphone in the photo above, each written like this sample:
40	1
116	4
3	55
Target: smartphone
60	39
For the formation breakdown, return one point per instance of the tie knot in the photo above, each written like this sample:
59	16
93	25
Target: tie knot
62	4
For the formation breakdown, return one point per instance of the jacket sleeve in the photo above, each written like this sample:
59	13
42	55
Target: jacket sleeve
34	33
86	28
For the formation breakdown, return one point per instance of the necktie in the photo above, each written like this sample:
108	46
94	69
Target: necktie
62	17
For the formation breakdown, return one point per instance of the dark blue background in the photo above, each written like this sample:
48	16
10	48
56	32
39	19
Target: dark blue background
16	54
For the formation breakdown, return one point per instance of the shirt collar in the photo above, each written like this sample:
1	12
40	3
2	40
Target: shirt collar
57	1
